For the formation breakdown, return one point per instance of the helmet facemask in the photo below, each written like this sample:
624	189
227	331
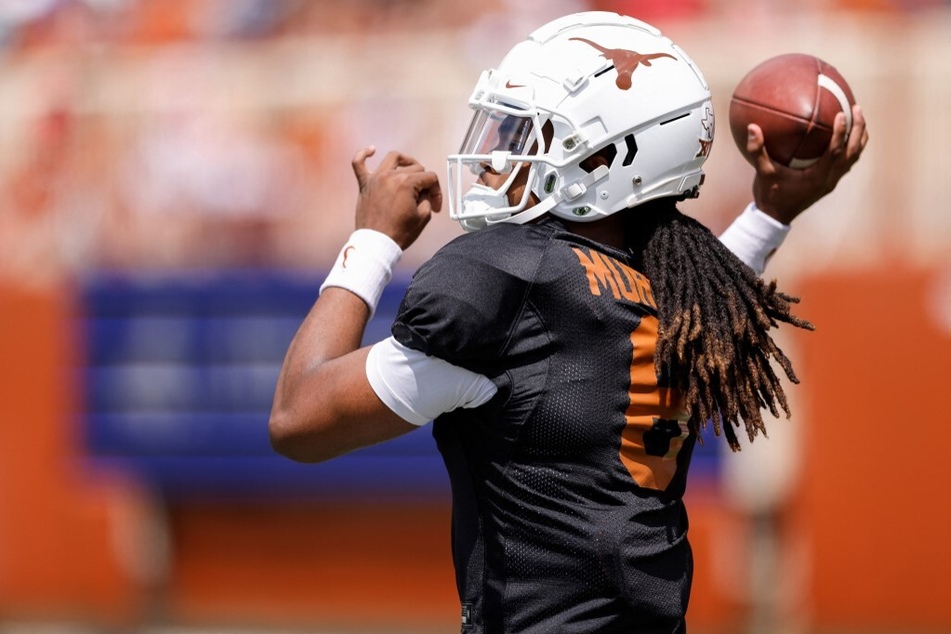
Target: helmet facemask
503	139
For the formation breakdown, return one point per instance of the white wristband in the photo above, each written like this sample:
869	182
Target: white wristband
754	237
365	265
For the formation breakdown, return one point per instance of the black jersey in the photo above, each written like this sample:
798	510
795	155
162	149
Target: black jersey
567	486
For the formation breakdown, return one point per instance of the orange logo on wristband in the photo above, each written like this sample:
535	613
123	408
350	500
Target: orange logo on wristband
346	252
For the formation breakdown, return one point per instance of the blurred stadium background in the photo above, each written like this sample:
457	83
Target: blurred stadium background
174	182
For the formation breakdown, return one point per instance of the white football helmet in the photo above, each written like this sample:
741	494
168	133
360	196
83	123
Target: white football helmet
593	82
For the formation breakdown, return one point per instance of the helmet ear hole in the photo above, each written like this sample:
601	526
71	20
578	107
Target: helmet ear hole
605	156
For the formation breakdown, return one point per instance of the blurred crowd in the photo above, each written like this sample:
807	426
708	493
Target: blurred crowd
180	134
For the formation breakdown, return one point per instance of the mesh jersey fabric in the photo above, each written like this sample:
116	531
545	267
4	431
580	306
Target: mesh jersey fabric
567	486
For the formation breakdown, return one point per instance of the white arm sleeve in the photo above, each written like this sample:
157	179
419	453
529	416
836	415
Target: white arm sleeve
754	237
418	387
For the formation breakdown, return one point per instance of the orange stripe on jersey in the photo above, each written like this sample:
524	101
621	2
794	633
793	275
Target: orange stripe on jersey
656	427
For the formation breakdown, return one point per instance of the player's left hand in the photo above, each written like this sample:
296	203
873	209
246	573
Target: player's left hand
783	192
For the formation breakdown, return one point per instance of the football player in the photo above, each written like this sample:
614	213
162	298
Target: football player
571	345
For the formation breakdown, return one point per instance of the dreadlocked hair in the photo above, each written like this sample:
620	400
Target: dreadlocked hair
715	313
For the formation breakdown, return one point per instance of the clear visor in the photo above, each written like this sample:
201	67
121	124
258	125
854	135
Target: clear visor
493	131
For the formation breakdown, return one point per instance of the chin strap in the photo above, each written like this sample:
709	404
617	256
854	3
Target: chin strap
569	192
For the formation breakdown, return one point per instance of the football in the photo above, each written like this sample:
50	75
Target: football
794	99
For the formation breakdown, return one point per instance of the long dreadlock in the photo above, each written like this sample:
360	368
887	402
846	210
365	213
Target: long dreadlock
713	343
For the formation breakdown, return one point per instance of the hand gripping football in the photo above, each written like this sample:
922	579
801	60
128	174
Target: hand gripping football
794	99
